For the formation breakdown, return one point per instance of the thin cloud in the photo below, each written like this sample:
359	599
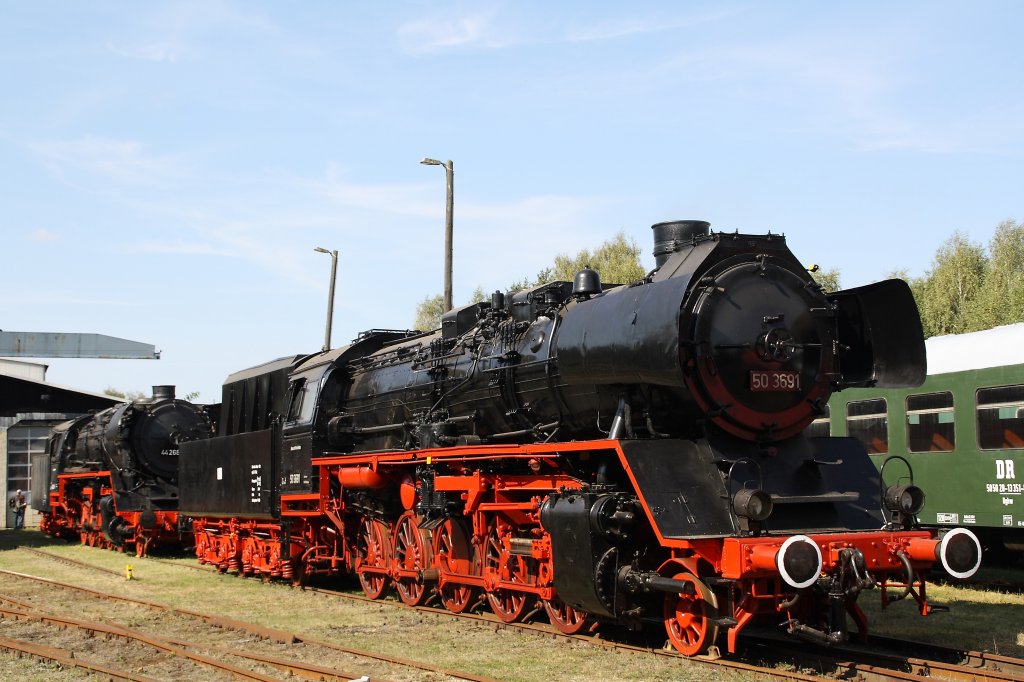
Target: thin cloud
260	243
846	92
123	161
168	51
997	131
180	247
441	33
168	36
486	29
331	205
631	27
63	299
42	235
400	199
420	200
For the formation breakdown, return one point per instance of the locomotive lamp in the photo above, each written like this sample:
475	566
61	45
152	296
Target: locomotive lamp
330	294
904	502
904	499
449	173
755	505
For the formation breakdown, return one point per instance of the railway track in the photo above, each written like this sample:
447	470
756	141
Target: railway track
182	648
879	660
882	659
66	658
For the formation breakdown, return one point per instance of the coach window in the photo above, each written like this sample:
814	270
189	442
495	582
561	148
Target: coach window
930	422
1001	417
866	421
820	427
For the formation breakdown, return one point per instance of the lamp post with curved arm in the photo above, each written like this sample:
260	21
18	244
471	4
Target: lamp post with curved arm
330	295
449	173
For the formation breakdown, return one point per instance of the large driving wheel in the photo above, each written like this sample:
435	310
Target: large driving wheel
411	552
454	555
688	617
507	604
564	617
373	549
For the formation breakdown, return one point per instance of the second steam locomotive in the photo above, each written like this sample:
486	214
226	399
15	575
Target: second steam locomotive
111	478
632	453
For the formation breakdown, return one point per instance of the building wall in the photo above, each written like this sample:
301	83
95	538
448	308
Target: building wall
18	441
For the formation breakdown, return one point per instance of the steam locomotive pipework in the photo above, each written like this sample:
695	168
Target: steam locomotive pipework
612	452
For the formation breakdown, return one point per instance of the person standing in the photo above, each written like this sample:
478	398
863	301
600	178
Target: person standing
18	504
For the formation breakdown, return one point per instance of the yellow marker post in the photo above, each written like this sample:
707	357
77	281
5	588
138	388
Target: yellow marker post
128	572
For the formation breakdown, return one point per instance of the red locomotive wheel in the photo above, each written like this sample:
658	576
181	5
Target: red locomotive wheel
565	618
454	556
411	553
687	618
373	547
507	604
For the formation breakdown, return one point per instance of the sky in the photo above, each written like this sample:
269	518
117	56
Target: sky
167	168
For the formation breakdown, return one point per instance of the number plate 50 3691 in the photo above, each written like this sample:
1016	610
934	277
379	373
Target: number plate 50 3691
774	380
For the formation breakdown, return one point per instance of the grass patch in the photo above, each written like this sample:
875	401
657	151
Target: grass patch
979	619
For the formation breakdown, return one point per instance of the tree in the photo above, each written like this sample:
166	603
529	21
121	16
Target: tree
968	288
616	260
479	295
430	310
952	287
428	313
828	280
1001	300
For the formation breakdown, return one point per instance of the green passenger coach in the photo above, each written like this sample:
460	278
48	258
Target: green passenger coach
959	436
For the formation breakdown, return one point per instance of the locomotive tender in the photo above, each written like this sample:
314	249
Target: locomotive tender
110	478
630	453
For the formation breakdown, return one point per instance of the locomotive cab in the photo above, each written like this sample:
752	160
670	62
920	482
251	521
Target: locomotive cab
298	431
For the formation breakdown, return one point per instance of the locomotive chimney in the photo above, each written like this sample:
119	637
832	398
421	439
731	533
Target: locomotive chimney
672	236
163	393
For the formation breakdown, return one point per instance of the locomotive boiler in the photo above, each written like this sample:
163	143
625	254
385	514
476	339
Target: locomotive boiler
630	452
111	478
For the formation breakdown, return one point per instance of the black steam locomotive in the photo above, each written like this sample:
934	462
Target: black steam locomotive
110	479
630	453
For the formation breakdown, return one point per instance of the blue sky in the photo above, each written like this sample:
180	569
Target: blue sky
166	169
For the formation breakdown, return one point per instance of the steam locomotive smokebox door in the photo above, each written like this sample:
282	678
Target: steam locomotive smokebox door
228	476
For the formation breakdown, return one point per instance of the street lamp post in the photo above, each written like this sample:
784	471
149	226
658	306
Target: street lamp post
449	173
330	295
